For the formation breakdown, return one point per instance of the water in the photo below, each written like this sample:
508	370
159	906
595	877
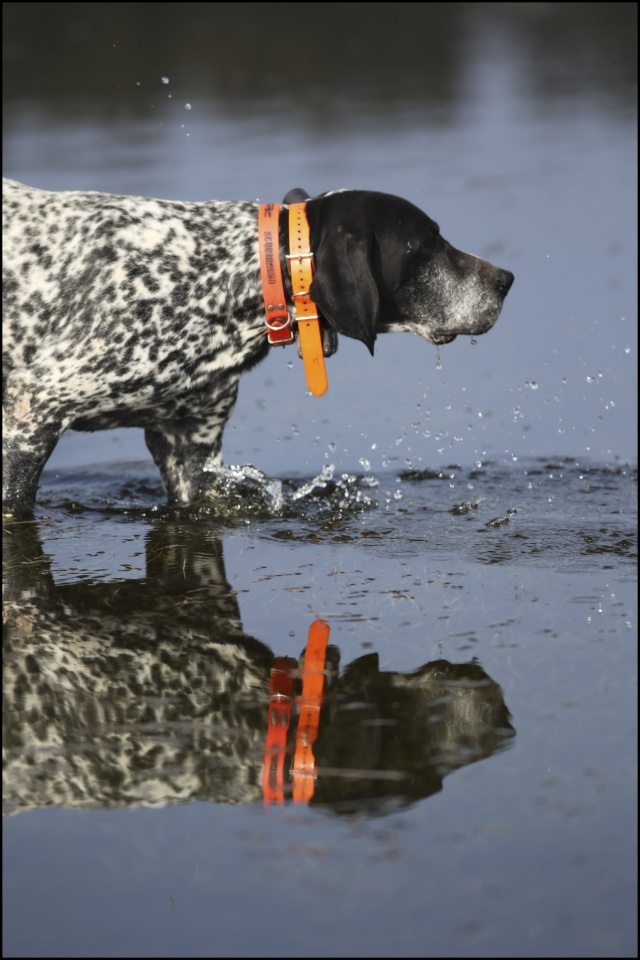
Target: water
475	756
463	520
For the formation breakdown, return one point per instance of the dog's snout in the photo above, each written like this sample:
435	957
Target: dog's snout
505	280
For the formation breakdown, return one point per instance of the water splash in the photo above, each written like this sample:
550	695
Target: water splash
318	483
337	495
246	491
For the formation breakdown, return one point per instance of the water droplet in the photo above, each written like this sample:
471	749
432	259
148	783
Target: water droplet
364	463
532	384
165	80
627	349
187	106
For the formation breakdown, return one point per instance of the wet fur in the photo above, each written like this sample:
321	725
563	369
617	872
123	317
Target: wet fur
126	311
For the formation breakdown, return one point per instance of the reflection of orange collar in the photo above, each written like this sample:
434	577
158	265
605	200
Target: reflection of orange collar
303	771
300	259
278	721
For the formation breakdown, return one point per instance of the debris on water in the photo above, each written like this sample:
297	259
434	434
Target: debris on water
417	475
497	522
460	509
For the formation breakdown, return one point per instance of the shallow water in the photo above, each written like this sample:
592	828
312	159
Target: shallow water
474	758
458	774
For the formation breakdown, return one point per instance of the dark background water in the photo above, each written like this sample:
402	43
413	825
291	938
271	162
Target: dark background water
512	125
472	548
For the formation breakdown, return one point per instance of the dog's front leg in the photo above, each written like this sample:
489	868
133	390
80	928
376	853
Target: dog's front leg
188	452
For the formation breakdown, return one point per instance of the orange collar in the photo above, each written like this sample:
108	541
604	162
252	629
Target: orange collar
303	769
300	259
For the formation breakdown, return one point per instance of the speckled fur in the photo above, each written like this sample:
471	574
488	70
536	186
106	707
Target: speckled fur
126	311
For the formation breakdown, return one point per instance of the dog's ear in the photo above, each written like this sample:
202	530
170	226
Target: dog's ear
344	285
297	195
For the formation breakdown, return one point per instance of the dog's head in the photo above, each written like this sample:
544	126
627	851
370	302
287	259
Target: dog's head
381	265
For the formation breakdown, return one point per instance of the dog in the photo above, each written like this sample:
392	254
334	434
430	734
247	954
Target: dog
126	311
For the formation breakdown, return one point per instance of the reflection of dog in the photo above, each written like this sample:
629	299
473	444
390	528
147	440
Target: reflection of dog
149	692
404	732
124	311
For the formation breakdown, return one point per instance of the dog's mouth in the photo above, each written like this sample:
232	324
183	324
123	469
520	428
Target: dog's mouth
439	339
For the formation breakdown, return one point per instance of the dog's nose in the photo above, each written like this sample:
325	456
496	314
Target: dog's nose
505	279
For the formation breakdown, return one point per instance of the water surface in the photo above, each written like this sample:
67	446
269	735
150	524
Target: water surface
463	521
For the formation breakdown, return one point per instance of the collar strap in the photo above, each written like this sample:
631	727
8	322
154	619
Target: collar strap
275	304
303	769
278	720
300	261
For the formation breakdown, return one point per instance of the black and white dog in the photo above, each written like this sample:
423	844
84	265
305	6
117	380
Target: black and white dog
126	311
